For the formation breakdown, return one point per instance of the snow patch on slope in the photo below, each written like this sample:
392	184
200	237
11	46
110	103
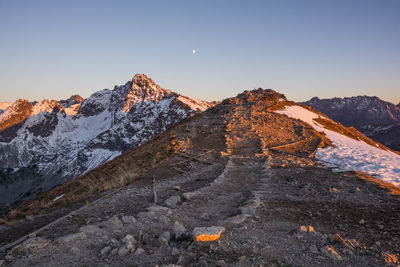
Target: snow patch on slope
349	154
44	106
194	103
72	110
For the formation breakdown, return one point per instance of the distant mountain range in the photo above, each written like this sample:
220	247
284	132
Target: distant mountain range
44	144
378	119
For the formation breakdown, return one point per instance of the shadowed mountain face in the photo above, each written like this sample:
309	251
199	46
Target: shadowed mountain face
43	144
378	119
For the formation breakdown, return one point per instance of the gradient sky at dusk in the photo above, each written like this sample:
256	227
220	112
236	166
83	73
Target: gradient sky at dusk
53	49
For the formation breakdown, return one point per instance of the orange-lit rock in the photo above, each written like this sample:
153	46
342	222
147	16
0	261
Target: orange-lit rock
205	234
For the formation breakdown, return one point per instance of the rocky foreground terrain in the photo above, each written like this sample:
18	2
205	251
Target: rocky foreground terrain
46	143
237	185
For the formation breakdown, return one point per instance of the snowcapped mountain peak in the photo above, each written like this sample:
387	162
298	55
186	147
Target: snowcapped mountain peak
143	89
73	100
15	113
46	106
4	105
143	81
48	142
76	98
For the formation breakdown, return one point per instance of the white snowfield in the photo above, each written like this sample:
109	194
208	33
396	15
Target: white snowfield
349	154
194	104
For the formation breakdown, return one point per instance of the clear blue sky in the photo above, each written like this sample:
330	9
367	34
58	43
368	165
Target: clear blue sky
53	49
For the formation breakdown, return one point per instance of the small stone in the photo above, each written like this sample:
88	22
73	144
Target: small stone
114	251
378	243
105	250
9	258
314	249
220	263
72	238
179	231
32	235
157	209
303	228
162	242
129	239
30	218
139	251
75	250
189	195
381	227
361	221
114	242
125	249
90	229
128	219
204	234
173	201
204	216
176	187
238	219
91	220
30	246
175	251
331	253
166	235
114	223
164	220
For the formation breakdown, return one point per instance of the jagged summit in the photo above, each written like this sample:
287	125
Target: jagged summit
144	82
143	88
48	142
4	106
15	113
260	93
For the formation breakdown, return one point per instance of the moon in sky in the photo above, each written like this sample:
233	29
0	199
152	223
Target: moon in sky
194	51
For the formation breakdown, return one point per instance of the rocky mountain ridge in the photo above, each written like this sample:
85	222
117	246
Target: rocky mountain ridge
4	106
43	144
378	119
240	184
